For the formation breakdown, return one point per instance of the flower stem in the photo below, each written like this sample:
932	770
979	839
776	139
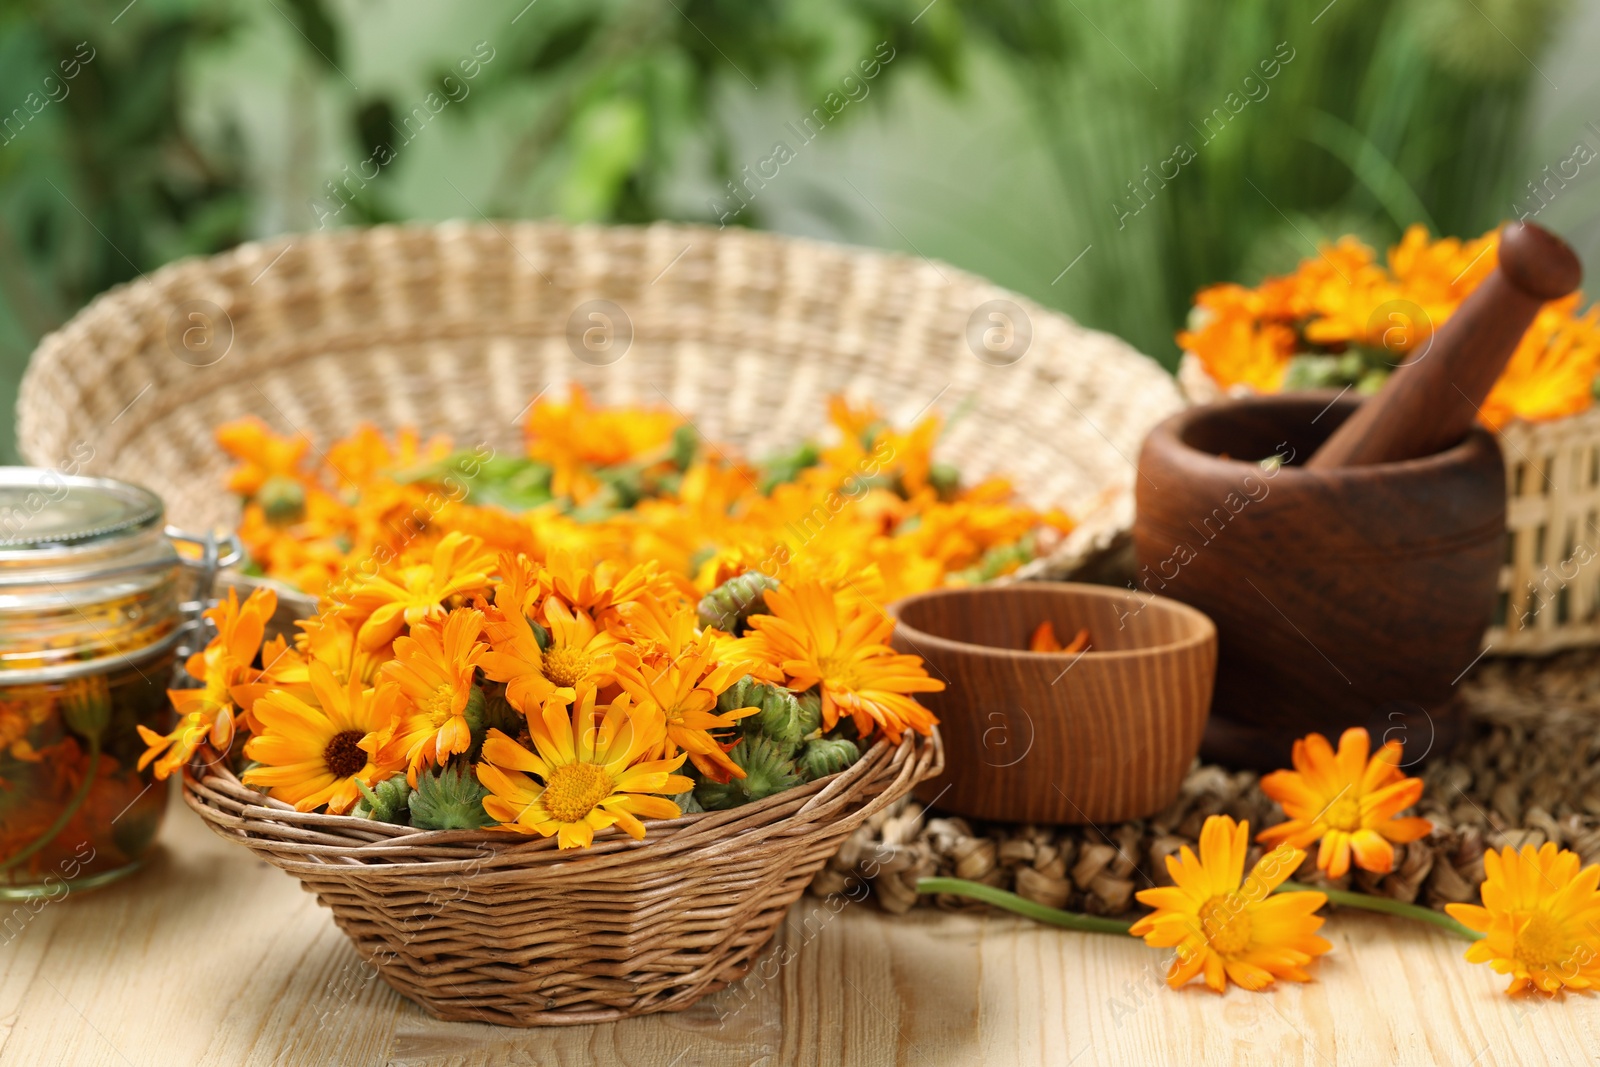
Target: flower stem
1366	901
67	812
1070	920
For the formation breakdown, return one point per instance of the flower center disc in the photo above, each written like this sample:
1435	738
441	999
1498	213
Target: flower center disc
565	666
1226	924
573	791
344	755
1543	942
440	705
1344	814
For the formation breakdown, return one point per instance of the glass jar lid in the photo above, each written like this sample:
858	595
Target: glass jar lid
43	509
86	574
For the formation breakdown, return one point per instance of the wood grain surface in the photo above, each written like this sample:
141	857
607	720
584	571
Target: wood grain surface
210	956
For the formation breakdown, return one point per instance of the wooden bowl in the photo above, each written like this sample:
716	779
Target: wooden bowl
1046	737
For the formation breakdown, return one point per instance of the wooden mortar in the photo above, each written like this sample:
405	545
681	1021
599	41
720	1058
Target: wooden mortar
1345	597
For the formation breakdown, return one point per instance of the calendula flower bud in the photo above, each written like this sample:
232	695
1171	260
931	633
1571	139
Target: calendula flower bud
449	799
825	756
735	600
782	717
283	500
767	770
388	801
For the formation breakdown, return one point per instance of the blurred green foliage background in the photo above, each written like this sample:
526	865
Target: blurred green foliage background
1107	157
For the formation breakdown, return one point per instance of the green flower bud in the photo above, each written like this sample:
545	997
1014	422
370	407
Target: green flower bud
767	769
945	479
449	799
282	499
385	802
685	442
735	600
782	716
825	756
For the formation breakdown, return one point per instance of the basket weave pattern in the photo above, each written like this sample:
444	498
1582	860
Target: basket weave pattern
487	926
455	328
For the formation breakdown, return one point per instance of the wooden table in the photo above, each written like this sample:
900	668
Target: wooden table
210	956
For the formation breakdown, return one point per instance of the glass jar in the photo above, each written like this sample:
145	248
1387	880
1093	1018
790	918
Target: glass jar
92	609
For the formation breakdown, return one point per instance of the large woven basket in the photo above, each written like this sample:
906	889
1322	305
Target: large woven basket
455	328
1550	580
489	927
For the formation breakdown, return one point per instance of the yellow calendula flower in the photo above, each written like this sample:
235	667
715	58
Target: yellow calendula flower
1346	801
425	691
1540	919
209	713
590	775
407	595
314	752
814	636
263	455
1229	927
686	688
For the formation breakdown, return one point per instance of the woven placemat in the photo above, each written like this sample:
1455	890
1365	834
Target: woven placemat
1526	771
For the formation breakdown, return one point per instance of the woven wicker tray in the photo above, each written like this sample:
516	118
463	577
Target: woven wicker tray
455	328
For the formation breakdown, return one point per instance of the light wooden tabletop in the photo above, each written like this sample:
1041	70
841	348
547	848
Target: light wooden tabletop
210	956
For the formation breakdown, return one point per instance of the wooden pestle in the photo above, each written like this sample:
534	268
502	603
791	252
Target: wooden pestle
1432	400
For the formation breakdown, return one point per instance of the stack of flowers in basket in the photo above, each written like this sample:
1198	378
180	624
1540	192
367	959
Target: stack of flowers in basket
460	688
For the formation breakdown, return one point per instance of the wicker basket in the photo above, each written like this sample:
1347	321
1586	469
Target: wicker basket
1550	581
455	328
486	926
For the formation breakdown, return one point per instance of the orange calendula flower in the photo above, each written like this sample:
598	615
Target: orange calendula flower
426	695
1540	919
514	655
1346	801
591	775
1229	927
264	454
686	690
209	712
314	752
575	438
409	594
814	636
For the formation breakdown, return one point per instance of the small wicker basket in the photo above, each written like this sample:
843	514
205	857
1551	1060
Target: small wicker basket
1550	581
486	926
